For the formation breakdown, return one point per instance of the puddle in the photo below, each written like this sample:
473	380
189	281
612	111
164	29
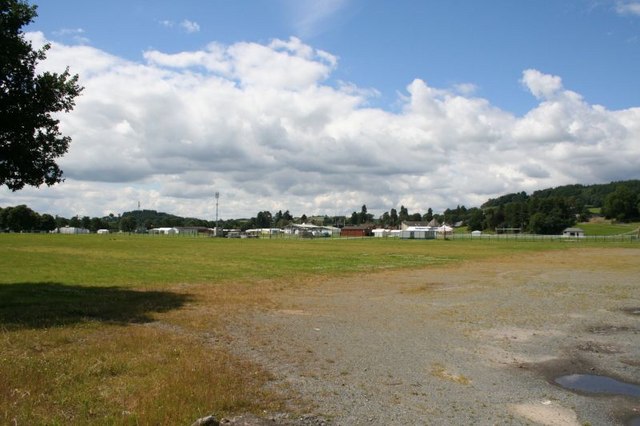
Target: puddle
598	348
590	383
632	311
610	329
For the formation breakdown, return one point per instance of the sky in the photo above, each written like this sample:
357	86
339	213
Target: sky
319	107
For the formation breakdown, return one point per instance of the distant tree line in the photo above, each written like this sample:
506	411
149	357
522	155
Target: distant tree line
23	219
544	212
534	215
551	210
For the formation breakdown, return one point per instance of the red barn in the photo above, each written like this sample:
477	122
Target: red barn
357	231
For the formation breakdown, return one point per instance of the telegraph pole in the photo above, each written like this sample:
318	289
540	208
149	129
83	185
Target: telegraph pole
217	195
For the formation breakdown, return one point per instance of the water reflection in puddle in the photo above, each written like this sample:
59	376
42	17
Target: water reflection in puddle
598	384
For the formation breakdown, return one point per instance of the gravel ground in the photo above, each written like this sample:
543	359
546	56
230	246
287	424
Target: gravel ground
476	343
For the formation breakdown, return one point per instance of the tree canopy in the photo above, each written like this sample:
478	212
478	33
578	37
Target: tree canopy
622	205
30	140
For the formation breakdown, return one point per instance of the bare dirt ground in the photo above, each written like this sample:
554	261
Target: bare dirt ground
475	343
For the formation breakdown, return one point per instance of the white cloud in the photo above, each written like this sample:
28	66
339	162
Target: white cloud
68	31
465	88
628	8
190	26
542	86
259	124
75	35
186	25
285	64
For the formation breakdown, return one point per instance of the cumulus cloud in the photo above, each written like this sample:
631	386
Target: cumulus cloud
542	86
283	64
260	124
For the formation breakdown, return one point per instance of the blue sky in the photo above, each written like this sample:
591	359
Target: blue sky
321	106
385	45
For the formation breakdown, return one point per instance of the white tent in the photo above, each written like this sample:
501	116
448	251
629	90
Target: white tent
444	228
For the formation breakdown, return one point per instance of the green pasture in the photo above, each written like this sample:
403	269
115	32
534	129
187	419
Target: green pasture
132	260
141	260
595	210
598	229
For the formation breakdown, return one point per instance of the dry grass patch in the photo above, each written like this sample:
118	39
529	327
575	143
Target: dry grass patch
132	374
440	371
81	355
212	307
421	288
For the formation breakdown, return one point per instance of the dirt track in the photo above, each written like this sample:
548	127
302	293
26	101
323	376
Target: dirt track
477	343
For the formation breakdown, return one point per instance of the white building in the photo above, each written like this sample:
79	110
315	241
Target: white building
386	233
573	233
419	233
163	231
304	229
263	232
72	230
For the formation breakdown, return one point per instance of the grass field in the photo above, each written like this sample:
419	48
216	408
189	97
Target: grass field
606	228
595	210
125	329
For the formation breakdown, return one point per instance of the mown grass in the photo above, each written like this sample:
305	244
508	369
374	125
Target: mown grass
123	260
606	228
134	329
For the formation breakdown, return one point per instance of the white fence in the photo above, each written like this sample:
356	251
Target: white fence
535	237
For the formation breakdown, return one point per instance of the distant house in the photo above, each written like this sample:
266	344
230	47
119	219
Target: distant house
102	231
573	233
357	231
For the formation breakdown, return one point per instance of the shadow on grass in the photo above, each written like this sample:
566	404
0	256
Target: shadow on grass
38	305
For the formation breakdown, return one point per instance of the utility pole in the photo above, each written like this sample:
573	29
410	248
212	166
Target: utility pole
217	197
